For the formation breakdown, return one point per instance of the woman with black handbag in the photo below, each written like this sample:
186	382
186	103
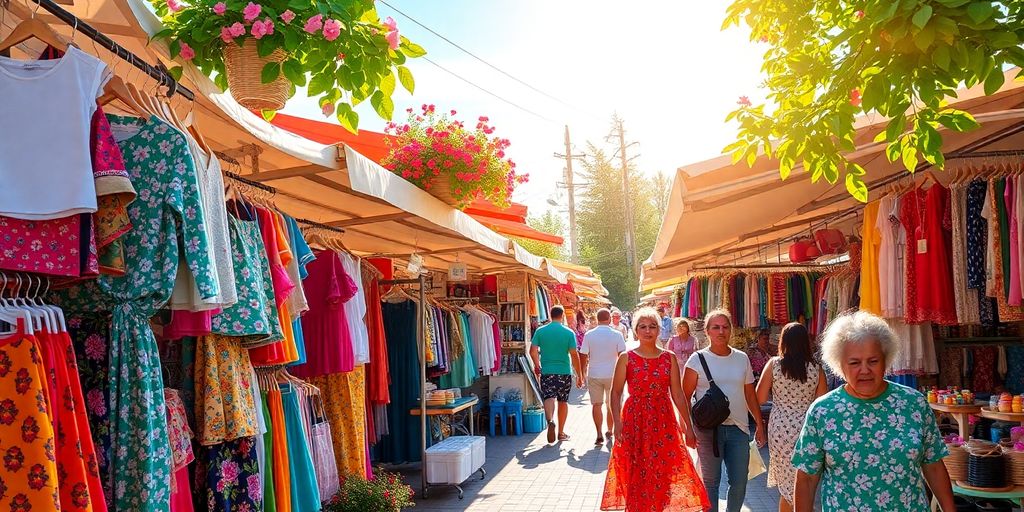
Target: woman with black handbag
723	382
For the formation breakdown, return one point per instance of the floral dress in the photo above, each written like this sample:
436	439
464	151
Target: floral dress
791	398
167	211
870	452
28	473
650	469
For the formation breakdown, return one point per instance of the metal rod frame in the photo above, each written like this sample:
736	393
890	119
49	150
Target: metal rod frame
158	73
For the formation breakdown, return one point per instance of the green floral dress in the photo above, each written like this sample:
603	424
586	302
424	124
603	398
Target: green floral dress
167	224
870	452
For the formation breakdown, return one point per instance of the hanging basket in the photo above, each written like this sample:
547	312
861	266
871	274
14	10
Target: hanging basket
244	68
440	187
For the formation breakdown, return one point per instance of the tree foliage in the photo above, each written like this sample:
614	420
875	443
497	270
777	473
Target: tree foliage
548	223
827	62
601	219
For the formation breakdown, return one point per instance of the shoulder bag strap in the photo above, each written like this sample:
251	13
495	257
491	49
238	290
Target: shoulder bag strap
707	372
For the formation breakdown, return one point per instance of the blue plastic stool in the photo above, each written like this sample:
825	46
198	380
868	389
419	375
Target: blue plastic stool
514	410
497	409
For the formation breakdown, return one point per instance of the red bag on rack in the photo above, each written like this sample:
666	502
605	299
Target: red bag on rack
830	241
802	250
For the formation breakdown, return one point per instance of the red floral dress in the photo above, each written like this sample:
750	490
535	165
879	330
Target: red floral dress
650	469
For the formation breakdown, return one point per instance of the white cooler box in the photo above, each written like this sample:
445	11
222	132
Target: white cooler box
453	460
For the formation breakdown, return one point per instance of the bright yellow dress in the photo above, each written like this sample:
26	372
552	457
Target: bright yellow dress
870	294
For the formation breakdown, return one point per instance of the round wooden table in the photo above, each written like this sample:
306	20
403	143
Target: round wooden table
960	414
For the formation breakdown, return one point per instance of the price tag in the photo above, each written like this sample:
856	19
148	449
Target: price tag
457	271
922	246
415	264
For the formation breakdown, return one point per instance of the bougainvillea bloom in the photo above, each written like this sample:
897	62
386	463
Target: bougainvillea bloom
332	29
855	97
187	52
220	8
287	16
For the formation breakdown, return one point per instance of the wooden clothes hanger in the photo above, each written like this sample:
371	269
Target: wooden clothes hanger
35	28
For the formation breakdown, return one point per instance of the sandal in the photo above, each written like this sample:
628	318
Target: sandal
551	432
599	442
563	437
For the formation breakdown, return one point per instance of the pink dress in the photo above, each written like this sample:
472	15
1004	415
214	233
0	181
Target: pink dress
325	326
1011	212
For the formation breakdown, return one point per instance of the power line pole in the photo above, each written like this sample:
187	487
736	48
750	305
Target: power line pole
571	188
631	250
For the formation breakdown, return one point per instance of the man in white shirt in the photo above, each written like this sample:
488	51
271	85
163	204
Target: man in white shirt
601	348
618	325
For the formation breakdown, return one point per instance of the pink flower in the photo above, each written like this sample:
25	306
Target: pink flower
332	29
96	402
855	97
287	16
744	101
327	109
258	30
95	348
251	11
229	470
237	29
390	23
393	40
269	25
174	5
187	52
220	8
314	24
859	14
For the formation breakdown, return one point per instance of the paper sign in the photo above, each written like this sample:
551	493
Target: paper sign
922	246
415	264
457	271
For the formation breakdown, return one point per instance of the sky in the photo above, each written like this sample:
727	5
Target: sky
664	66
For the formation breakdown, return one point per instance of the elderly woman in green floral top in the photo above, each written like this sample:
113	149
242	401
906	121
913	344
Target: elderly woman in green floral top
873	442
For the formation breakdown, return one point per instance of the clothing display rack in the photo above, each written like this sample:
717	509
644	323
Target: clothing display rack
251	183
158	72
320	225
421	322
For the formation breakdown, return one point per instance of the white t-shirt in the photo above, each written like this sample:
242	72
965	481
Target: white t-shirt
731	373
46	114
355	311
602	344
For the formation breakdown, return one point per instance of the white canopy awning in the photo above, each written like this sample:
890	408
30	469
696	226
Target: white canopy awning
725	213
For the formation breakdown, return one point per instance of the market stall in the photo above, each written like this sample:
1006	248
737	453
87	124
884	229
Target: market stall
202	323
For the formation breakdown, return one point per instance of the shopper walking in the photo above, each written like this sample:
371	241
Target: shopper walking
553	350
760	353
650	469
793	380
601	348
683	344
665	327
727	443
619	325
874	443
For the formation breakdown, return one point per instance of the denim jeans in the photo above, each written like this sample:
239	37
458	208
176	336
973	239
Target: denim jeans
734	448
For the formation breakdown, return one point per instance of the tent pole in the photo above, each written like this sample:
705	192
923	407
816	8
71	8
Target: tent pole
423	383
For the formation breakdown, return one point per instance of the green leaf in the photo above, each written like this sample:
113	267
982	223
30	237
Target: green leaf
383	105
940	57
291	40
348	117
954	3
924	38
909	157
957	120
175	48
895	127
319	84
980	11
994	81
268	115
293	71
270	72
405	77
856	187
175	73
387	84
922	16
785	168
412	50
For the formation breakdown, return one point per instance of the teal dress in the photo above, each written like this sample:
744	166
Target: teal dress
870	453
253	318
167	224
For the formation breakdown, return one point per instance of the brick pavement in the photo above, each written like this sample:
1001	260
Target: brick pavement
525	474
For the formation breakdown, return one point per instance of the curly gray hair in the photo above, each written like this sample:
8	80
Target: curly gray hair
857	327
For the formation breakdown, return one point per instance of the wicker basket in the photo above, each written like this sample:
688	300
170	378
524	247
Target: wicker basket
1014	467
244	68
956	463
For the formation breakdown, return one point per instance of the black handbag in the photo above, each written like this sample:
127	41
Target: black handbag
713	408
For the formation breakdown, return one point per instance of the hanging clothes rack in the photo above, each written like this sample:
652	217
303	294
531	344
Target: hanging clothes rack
158	72
421	321
251	183
320	225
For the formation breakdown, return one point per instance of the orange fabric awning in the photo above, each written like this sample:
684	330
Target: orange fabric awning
510	221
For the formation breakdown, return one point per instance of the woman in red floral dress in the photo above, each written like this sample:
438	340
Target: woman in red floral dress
650	468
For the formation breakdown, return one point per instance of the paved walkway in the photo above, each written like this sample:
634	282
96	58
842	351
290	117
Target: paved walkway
525	474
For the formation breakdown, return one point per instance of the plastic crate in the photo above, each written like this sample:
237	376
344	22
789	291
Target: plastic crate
533	422
455	459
